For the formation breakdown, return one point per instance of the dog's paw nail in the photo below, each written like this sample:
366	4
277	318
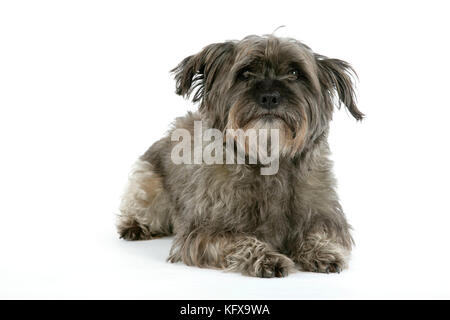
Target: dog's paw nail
334	267
281	272
316	265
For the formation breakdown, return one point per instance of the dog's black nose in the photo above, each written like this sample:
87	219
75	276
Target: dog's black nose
269	100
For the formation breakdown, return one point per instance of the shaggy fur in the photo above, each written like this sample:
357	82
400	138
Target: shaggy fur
230	216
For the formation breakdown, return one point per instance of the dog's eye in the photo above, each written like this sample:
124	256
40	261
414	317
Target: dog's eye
294	73
245	74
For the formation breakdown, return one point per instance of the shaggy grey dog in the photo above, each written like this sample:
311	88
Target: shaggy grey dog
229	216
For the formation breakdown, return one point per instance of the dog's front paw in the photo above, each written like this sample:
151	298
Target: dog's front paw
130	229
253	257
333	265
273	265
318	254
263	265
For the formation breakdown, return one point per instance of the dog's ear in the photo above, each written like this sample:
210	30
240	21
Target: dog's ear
336	76
198	72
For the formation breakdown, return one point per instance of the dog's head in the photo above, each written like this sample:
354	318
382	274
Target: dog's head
268	82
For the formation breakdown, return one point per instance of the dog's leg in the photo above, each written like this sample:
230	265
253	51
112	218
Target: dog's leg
320	252
145	207
231	252
320	240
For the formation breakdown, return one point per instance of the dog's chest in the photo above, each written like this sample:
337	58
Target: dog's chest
271	202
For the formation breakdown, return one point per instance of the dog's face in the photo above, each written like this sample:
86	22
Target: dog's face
268	82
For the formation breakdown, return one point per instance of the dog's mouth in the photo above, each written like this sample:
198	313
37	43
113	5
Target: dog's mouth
257	118
267	117
271	117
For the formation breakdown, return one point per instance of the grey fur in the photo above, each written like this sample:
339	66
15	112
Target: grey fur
229	216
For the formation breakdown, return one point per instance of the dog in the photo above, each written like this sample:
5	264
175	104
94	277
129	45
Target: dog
230	216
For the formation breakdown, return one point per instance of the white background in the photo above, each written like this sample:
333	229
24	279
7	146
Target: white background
85	89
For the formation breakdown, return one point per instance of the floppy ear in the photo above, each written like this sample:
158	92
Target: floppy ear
336	76
197	73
